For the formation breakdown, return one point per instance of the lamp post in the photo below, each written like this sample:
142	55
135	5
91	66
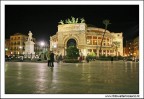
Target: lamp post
42	45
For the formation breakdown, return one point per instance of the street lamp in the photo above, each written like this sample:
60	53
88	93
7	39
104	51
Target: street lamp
42	44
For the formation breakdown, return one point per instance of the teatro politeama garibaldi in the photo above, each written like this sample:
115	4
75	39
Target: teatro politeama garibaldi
86	38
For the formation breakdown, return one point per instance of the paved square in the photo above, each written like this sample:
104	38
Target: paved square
96	77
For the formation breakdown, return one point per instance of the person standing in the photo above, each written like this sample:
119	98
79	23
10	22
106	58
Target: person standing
111	59
52	59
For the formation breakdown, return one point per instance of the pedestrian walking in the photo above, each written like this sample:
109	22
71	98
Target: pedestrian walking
52	59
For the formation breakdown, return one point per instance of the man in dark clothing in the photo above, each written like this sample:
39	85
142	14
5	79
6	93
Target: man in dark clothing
52	59
111	59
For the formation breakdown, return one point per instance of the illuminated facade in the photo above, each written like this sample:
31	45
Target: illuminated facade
136	47
16	44
86	39
132	48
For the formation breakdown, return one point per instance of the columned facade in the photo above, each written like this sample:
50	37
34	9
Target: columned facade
88	40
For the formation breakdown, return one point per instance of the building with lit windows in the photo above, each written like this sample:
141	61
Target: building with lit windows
136	47
132	48
86	39
16	44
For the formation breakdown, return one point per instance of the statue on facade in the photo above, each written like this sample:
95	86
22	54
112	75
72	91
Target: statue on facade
69	21
72	20
76	20
61	22
30	36
82	20
66	21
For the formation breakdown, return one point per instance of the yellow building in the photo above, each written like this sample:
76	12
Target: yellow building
136	47
17	43
86	39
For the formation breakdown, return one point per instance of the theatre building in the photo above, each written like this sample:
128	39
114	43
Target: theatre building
86	39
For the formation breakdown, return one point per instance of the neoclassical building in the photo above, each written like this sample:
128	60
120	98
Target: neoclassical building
86	39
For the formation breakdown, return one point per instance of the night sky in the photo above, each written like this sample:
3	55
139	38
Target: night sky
42	20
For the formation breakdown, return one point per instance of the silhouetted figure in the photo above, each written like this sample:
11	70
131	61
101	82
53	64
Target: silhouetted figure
52	59
87	58
48	58
60	58
111	59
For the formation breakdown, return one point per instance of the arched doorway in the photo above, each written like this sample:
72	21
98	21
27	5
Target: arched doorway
71	42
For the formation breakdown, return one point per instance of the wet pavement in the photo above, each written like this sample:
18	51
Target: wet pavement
96	77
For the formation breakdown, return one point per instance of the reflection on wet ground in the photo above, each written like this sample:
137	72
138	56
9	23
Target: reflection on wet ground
98	77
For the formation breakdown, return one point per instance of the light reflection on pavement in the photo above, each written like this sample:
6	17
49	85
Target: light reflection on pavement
96	77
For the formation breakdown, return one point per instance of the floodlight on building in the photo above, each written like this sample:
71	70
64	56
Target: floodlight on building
20	47
55	46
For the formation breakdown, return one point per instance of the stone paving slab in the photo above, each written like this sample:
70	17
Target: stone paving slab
96	77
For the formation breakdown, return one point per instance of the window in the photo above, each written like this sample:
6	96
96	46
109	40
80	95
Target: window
18	43
94	42
89	37
94	50
94	37
104	44
111	51
89	50
89	40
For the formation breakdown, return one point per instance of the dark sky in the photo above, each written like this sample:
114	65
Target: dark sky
42	20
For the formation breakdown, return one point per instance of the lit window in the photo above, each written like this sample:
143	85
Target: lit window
89	41
94	37
94	42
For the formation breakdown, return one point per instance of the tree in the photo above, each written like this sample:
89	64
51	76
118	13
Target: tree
72	52
106	23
